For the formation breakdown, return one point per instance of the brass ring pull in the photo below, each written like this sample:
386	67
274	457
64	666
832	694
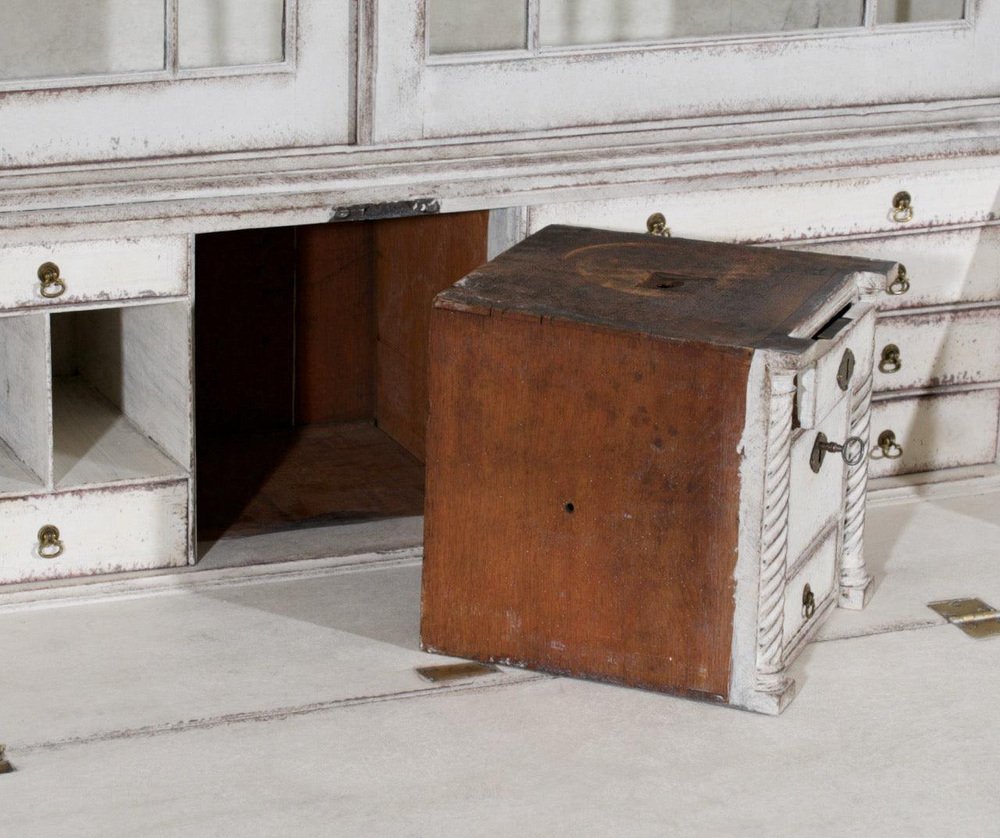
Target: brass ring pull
890	361
49	545
656	225
53	285
901	284
808	602
902	208
887	447
852	451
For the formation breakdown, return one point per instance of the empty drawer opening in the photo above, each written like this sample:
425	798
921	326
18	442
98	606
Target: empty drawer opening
311	394
834	326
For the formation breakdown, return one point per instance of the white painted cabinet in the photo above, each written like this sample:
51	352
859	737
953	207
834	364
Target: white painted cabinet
118	79
446	68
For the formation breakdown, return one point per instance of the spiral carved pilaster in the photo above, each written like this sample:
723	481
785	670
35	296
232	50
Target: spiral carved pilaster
774	535
853	571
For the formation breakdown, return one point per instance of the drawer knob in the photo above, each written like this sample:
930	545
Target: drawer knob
852	451
845	370
53	285
808	602
902	207
901	284
887	447
890	361
49	545
656	225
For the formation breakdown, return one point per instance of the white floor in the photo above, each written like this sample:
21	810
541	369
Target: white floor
286	704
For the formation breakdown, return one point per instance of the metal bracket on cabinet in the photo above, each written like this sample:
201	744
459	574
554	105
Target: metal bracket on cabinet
391	209
973	616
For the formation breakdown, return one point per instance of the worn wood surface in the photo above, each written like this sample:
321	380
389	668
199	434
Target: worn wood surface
306	477
673	288
415	258
334	323
583	500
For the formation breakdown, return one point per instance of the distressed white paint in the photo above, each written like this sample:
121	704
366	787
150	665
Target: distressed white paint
936	431
304	102
476	94
943	267
816	499
103	531
939	348
95	271
25	406
818	571
818	389
139	358
95	444
793	211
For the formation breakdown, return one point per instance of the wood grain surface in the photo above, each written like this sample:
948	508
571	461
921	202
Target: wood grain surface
582	500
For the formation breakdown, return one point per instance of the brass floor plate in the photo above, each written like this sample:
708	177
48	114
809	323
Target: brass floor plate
973	616
455	671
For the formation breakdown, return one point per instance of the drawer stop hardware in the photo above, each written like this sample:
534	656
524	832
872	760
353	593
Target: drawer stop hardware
5	766
852	451
455	671
53	285
887	447
890	361
902	207
49	545
391	209
845	370
808	602
901	284
656	225
971	615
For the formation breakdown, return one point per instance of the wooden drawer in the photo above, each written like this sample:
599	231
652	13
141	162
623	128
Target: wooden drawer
94	271
792	211
819	385
818	571
936	349
947	266
816	499
101	531
957	429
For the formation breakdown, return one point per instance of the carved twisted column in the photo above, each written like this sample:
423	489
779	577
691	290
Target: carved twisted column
854	577
774	534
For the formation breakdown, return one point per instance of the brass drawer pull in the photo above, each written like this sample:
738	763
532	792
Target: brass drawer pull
53	285
901	284
852	451
890	361
49	545
845	370
656	225
902	207
887	447
808	602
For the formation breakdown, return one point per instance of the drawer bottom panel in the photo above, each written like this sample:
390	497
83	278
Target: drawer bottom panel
935	431
109	530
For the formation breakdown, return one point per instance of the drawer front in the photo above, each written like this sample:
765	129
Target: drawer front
933	350
946	431
100	531
816	498
818	388
94	271
793	211
949	266
819	573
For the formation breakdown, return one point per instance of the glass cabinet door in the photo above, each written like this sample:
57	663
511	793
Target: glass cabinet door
508	66
139	78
